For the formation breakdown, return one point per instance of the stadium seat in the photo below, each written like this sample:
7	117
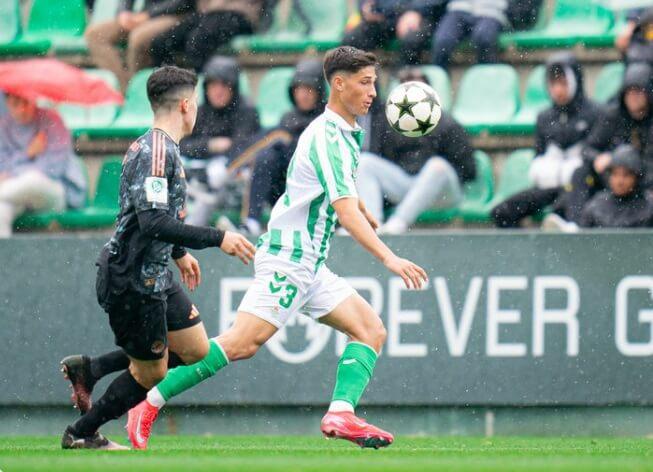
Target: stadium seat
103	10
488	98
83	119
11	42
608	82
439	80
272	99
476	193
105	205
536	99
288	33
573	21
513	178
51	25
135	116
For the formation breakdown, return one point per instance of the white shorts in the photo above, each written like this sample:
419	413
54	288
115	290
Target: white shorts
282	288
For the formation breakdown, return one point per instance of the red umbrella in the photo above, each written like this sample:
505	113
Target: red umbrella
56	81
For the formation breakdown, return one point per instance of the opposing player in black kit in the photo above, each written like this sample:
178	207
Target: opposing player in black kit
148	311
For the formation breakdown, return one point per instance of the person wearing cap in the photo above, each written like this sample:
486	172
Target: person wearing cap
307	92
414	174
627	121
225	121
559	133
624	204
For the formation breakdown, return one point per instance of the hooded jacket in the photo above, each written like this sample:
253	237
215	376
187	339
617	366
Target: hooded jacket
448	140
606	210
615	126
238	120
308	72
568	124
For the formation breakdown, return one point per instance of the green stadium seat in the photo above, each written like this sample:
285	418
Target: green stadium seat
82	119
55	24
479	191
608	82
11	42
103	10
536	99
488	98
514	176
135	116
273	100
439	80
288	33
476	193
572	22
106	204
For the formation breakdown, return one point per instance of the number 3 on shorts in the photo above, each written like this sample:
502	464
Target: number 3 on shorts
290	290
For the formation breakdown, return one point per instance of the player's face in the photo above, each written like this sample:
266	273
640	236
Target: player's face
622	182
359	91
189	112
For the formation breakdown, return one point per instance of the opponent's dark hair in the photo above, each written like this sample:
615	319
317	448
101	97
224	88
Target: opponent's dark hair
347	59
165	83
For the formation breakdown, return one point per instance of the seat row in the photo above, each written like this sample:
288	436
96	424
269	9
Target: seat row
59	26
488	100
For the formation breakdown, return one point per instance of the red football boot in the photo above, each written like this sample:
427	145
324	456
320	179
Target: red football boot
346	425
139	424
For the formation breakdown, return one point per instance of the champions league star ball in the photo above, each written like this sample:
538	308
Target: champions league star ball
413	109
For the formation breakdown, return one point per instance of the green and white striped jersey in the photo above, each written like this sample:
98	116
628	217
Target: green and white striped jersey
322	170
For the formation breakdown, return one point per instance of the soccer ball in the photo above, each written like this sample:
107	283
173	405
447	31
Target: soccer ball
413	109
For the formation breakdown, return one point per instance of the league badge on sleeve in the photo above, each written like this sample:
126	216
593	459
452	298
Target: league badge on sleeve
156	190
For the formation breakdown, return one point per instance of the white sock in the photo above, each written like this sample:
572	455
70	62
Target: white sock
155	398
340	406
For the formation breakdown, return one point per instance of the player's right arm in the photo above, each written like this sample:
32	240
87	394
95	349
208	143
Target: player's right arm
148	181
353	220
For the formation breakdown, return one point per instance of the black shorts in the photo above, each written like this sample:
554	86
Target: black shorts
141	323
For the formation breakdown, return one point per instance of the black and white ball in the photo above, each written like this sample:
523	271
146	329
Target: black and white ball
413	109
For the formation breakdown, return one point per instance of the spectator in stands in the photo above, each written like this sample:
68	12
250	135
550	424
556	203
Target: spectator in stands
640	44
411	22
559	133
137	29
307	92
626	122
624	204
224	123
415	174
523	14
622	41
480	20
38	169
213	25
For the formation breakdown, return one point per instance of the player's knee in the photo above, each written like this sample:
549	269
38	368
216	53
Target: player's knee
149	376
196	354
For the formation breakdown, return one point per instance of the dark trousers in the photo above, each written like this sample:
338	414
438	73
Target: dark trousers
369	36
455	26
197	37
510	212
268	179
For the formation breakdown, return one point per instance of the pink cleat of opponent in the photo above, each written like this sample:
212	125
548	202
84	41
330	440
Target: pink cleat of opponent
139	424
346	425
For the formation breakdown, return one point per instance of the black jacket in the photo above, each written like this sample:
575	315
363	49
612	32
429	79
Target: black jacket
607	211
569	124
448	140
615	126
238	121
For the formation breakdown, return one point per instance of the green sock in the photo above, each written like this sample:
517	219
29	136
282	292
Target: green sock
184	377
354	372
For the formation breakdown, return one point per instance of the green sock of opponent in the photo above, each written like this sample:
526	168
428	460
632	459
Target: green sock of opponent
184	377
355	370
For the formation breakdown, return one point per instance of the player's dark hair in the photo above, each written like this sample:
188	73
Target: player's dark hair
165	84
347	59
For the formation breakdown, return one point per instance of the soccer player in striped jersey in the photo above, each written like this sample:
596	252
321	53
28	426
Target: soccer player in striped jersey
291	274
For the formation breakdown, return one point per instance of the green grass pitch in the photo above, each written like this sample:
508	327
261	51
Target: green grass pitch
287	454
